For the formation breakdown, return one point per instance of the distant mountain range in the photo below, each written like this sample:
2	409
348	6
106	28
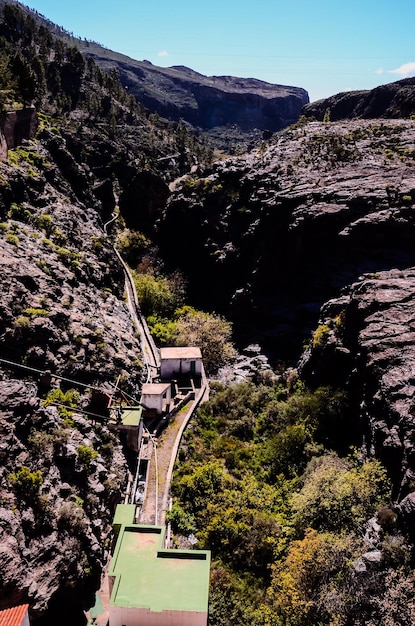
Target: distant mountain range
231	111
228	109
235	112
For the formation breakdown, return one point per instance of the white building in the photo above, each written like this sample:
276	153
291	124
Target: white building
180	362
156	397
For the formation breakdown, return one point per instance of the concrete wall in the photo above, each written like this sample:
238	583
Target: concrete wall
159	402
171	367
16	126
26	621
3	146
128	616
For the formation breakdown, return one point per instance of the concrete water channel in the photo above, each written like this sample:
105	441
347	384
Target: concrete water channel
149	489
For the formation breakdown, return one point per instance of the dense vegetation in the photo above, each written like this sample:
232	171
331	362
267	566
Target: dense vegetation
162	297
269	481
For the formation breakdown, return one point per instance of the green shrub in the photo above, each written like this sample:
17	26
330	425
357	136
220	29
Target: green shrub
43	442
311	585
72	517
131	245
44	222
26	482
321	335
285	452
181	522
64	401
156	295
338	494
58	237
16	155
21	322
164	331
12	239
19	213
86	455
36	312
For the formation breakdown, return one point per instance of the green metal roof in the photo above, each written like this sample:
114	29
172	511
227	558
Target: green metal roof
146	576
124	514
131	416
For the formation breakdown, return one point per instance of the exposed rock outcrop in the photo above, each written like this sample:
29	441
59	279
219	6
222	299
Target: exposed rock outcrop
63	313
366	343
143	201
394	100
281	230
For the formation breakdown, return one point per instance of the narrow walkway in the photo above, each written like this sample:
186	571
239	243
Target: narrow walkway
165	449
99	614
161	453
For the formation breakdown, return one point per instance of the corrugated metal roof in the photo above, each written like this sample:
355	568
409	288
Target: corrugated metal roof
13	616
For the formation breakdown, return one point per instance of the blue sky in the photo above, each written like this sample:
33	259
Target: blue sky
323	46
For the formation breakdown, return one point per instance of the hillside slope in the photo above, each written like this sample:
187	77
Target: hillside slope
229	110
66	335
232	112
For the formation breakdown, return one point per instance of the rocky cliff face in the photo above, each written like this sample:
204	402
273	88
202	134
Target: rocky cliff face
62	313
270	236
365	343
279	231
395	100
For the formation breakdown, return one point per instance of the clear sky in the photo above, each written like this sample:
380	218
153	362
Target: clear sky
324	46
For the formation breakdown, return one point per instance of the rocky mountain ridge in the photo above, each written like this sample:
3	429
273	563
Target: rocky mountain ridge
223	107
232	112
394	100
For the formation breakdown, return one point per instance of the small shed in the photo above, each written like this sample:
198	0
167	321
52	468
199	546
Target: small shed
128	423
183	361
156	397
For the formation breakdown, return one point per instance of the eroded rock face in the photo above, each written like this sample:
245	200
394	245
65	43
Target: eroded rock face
62	312
394	100
18	125
366	343
281	230
143	201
